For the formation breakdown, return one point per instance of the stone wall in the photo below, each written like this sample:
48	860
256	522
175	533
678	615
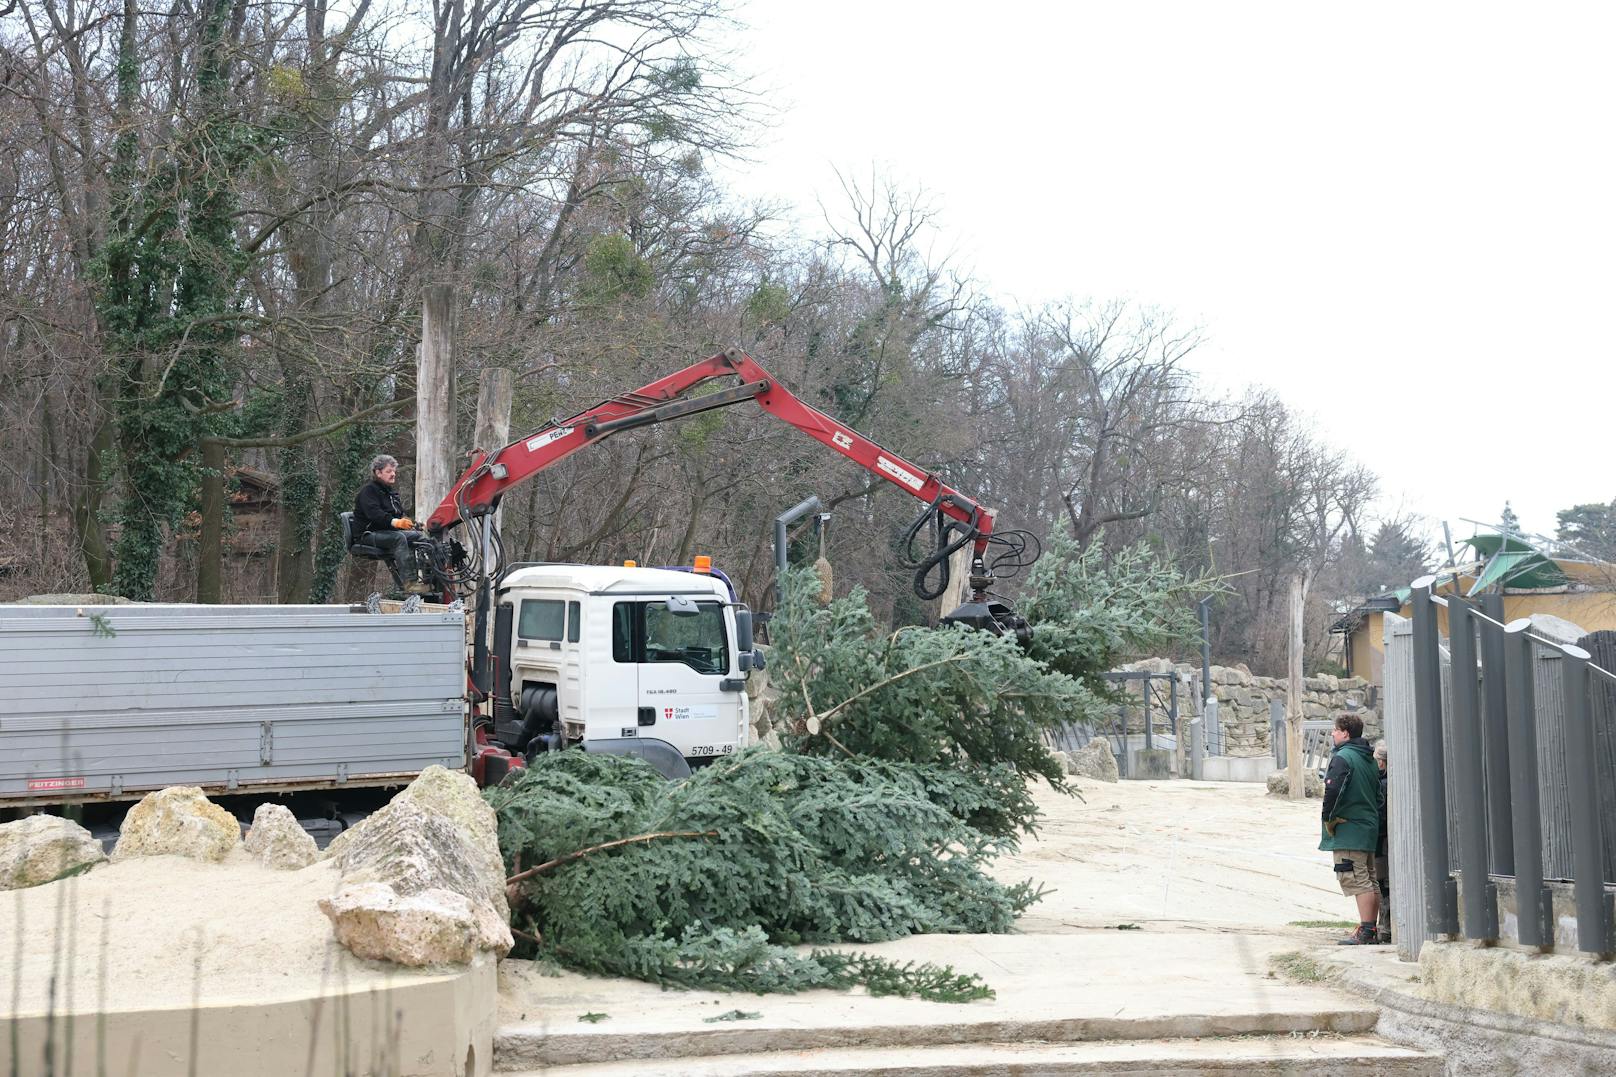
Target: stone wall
1243	700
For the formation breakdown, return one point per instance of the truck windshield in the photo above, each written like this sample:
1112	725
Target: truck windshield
647	632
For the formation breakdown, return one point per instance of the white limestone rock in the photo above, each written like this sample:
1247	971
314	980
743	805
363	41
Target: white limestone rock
432	927
1279	784
177	821
436	836
43	848
276	840
1094	760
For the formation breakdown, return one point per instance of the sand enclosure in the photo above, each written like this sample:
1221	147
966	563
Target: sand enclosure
234	957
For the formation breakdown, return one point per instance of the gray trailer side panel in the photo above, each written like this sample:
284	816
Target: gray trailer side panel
224	697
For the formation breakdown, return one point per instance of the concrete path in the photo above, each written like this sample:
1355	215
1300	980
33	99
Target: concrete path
1152	950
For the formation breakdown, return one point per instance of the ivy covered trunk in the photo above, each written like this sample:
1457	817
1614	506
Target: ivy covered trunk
169	279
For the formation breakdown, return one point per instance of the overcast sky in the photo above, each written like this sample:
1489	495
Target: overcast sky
1398	216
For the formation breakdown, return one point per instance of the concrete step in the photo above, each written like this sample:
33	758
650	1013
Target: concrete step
1250	1056
536	1046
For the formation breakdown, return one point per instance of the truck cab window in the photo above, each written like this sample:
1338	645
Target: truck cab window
542	618
625	617
647	632
696	641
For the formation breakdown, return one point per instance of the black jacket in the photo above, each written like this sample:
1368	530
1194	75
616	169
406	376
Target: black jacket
376	507
1380	850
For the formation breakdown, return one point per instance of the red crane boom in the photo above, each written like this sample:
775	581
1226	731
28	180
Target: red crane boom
491	474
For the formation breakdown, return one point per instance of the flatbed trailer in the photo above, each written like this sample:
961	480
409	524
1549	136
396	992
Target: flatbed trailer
112	702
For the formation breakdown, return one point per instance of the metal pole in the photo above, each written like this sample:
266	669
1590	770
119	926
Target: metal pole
781	522
1495	749
1480	895
1587	843
1205	609
1144	697
1122	720
1441	897
1172	721
1533	902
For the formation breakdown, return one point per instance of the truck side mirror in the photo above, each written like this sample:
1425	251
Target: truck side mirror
743	630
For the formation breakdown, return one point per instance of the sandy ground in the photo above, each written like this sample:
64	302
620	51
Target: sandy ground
160	932
1171	854
1215	876
164	931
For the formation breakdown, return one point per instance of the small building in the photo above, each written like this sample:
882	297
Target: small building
1582	592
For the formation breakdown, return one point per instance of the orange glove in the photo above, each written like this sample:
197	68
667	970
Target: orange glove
404	523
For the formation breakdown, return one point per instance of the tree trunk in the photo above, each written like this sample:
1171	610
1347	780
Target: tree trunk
435	468
87	527
210	545
1293	690
496	387
959	581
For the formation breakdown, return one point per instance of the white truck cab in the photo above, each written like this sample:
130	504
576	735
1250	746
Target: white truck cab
632	661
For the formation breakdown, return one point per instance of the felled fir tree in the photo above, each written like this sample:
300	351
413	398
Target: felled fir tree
711	881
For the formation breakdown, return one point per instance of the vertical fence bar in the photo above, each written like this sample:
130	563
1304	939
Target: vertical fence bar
1534	921
1441	897
1495	745
1480	895
1602	714
1144	698
1587	844
1122	722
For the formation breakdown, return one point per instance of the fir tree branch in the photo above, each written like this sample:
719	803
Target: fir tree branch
895	677
581	853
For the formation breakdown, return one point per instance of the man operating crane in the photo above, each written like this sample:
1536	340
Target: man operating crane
379	514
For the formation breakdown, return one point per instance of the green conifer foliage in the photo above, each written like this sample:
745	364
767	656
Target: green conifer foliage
970	702
754	854
1092	609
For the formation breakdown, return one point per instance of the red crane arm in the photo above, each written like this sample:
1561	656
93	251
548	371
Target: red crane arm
490	475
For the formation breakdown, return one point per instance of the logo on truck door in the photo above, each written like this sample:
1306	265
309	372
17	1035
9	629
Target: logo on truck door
679	714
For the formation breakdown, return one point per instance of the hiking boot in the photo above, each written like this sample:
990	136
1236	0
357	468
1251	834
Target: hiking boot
1364	936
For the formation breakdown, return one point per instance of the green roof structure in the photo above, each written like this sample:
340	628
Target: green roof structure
1513	563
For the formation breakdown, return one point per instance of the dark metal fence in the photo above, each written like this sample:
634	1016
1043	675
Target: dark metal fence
1482	780
1151	715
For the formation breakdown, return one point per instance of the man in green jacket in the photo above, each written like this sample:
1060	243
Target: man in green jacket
1351	822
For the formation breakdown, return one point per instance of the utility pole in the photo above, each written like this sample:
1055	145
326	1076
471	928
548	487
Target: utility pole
1293	690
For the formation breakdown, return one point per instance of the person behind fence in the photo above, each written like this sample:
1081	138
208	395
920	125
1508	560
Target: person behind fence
379	515
1383	869
1351	823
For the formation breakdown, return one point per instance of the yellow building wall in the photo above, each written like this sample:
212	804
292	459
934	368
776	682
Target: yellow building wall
1592	611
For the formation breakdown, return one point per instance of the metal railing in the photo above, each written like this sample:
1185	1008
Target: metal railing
1152	715
1488	752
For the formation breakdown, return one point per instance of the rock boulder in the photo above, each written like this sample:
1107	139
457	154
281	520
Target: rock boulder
1094	760
42	848
1279	784
178	821
403	868
276	840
